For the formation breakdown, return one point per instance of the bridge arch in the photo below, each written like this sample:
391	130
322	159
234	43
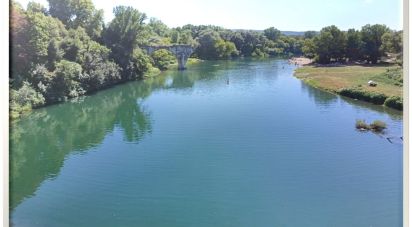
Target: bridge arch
181	51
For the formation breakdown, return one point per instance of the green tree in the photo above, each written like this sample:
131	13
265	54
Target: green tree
207	49
65	81
392	42
330	44
310	34
353	45
162	59
309	48
36	8
372	40
272	33
78	13
26	95
121	36
225	49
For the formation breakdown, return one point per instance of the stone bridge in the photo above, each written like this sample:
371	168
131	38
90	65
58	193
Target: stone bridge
181	51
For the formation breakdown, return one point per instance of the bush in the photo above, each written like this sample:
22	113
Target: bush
163	58
27	96
65	83
356	93
378	126
24	99
395	102
362	125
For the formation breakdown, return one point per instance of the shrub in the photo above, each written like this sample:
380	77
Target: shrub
65	83
362	125
162	59
395	102
27	96
356	93
378	126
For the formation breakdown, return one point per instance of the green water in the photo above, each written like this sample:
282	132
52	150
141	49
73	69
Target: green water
224	143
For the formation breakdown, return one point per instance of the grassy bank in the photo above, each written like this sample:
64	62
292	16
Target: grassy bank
352	81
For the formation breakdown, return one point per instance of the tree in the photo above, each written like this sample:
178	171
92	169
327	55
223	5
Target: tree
65	82
27	96
42	30
310	34
36	8
372	39
19	38
121	36
392	42
162	59
353	45
158	27
78	13
309	48
207	40
330	44
225	49
272	33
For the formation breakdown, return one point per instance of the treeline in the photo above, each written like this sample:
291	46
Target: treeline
367	45
67	50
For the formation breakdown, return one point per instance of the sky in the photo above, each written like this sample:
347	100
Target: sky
290	15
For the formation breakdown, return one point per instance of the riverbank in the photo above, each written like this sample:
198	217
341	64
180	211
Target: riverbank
352	81
301	61
17	112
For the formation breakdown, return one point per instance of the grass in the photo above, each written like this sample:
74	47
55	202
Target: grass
362	125
376	126
352	81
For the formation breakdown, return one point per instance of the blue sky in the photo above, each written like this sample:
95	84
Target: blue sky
292	15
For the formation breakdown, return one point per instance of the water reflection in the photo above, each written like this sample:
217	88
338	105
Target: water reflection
321	98
40	142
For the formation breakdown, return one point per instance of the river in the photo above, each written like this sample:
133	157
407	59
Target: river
224	143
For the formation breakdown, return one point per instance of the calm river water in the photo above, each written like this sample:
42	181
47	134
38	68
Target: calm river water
224	143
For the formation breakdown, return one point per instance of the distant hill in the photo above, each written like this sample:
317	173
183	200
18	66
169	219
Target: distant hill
292	33
287	33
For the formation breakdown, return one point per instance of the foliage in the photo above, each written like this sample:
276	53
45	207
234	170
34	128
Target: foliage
395	102
392	42
272	33
162	59
330	44
353	45
377	126
372	41
66	50
362	125
78	13
27	96
355	93
121	37
65	81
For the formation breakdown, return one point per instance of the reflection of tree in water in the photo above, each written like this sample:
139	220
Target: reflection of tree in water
392	113
40	142
322	99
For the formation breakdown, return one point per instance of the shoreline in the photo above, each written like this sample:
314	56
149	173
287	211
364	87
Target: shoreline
300	61
351	81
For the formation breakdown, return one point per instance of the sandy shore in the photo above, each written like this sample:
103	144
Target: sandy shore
300	61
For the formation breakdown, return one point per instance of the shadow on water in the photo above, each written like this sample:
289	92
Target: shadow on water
40	142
